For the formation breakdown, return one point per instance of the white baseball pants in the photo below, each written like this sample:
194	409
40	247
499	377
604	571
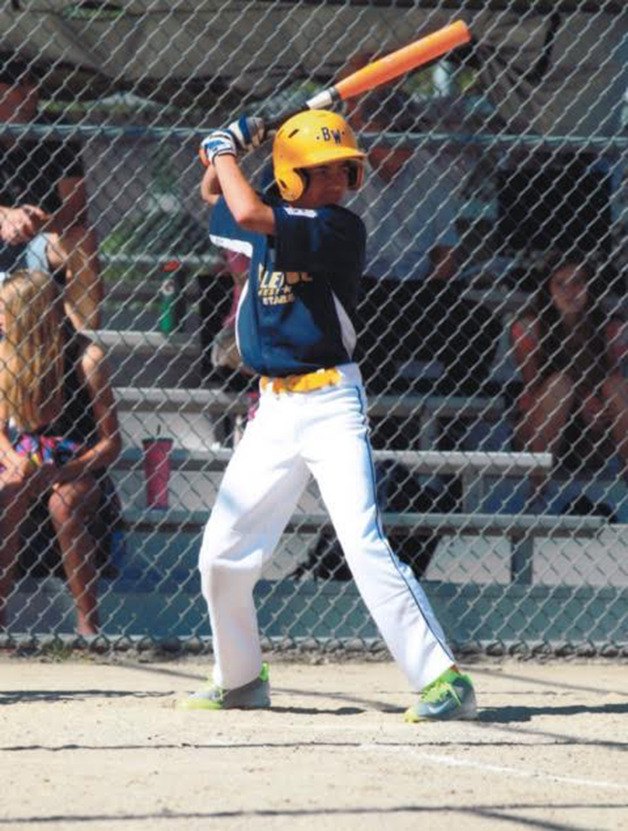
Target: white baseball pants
293	435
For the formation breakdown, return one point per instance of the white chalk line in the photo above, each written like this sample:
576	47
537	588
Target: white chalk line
450	761
522	773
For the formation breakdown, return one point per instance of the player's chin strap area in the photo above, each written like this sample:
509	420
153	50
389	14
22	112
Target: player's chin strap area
302	383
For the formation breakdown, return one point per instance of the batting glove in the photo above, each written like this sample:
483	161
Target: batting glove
248	132
217	143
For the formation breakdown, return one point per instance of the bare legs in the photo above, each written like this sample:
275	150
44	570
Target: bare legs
615	414
71	505
13	503
542	424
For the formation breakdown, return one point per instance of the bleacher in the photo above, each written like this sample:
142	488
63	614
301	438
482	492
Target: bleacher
167	396
489	547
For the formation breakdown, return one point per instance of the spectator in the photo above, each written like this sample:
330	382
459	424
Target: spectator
55	391
409	206
69	265
42	183
569	355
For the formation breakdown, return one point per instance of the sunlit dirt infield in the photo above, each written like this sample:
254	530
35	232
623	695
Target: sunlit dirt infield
94	744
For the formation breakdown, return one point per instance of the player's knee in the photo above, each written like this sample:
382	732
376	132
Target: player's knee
211	547
63	507
212	561
217	576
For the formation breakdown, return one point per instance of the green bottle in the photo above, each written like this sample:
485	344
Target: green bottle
172	297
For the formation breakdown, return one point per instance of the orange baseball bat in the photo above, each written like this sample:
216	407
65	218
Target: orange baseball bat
416	54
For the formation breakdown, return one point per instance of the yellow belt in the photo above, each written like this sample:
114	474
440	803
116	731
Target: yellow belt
302	383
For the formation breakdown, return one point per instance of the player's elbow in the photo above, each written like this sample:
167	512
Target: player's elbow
209	194
210	186
246	215
258	218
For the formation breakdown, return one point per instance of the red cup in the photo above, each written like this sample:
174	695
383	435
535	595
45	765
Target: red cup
157	471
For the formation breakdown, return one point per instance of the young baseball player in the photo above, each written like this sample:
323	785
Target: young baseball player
294	328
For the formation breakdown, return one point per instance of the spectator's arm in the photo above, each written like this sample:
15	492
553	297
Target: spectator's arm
72	212
617	340
72	217
14	464
525	342
444	263
20	223
83	293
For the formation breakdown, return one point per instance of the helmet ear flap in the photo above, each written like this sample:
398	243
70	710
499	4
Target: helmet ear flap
292	184
356	175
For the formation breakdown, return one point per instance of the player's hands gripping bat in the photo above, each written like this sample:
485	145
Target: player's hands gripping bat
249	132
217	143
240	136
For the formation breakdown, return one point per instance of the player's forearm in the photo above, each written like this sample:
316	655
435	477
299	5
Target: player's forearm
244	203
210	186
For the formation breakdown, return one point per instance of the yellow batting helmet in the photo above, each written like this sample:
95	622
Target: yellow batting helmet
309	139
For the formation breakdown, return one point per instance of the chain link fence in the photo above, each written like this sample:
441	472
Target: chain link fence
492	332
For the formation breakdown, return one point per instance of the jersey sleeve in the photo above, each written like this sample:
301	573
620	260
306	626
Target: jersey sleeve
325	239
225	232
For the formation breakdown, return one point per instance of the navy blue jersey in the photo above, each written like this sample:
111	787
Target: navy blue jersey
297	310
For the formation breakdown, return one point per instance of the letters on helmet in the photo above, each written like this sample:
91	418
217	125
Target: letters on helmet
331	135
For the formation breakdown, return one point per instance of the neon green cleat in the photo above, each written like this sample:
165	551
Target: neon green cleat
451	696
252	696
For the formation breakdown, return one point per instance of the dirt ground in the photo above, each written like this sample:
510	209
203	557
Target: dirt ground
90	744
